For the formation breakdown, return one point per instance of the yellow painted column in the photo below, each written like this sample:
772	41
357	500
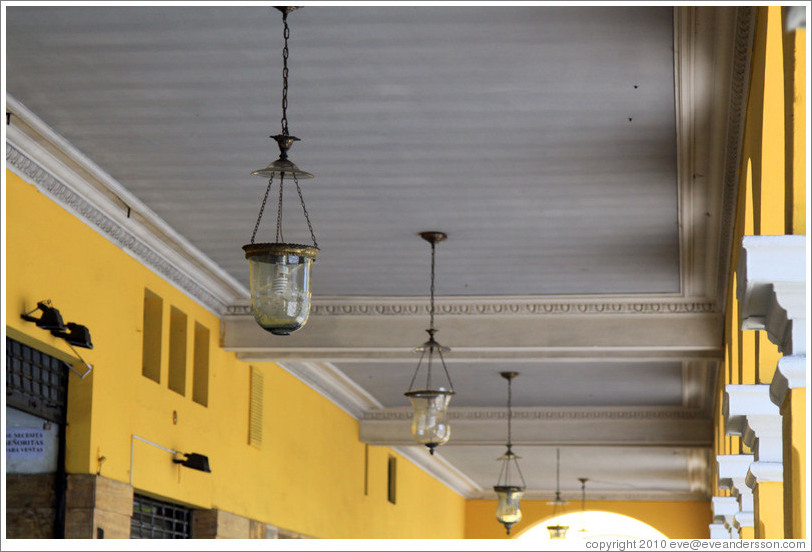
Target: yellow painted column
768	356
769	519
747	533
795	129
768	189
794	417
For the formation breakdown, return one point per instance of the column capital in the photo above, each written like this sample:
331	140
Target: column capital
763	433
772	289
724	506
744	519
764	472
733	468
790	374
732	472
743	400
718	531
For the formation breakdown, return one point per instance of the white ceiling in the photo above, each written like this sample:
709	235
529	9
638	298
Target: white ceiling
485	123
577	158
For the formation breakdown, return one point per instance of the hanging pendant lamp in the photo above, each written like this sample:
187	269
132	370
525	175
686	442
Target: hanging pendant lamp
508	490
583	531
429	420
280	271
558	531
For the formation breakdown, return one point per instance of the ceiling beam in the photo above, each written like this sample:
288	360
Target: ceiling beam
594	426
587	331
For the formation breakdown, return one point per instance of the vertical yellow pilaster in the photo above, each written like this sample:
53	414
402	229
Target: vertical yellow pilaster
747	532
747	358
793	412
768	498
768	189
795	129
768	357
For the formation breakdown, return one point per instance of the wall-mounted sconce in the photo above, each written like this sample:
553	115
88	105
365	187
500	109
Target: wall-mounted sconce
77	335
194	461
191	460
50	318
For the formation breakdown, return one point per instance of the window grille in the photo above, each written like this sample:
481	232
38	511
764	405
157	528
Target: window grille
35	382
154	519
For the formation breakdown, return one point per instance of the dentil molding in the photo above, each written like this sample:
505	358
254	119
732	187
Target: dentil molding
507	306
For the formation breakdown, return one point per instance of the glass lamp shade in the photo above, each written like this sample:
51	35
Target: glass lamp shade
429	420
508	512
558	531
280	285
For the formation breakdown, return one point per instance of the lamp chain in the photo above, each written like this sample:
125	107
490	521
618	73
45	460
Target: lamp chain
279	210
510	413
583	494
306	214
262	209
285	75
431	307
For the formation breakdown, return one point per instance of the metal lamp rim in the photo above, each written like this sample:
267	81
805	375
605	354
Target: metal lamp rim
297	249
508	489
428	393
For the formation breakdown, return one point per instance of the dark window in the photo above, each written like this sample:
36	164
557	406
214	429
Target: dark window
153	519
152	333
35	382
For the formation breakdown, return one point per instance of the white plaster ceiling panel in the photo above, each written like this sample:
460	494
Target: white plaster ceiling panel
550	384
541	139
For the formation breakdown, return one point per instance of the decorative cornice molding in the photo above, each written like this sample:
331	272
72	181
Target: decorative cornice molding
66	196
331	383
593	495
38	154
440	469
737	108
507	306
532	414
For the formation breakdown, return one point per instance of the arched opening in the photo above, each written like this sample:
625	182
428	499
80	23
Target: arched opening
592	525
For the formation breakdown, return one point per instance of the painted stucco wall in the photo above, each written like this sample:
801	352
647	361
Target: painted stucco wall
308	474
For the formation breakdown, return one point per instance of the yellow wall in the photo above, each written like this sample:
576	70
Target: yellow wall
676	520
308	474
